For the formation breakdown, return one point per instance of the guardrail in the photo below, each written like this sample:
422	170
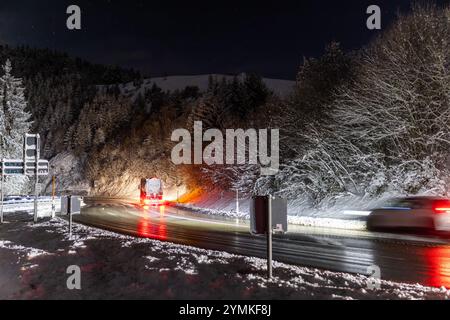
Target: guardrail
24	201
13	205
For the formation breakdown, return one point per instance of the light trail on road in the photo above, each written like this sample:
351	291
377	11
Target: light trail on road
410	259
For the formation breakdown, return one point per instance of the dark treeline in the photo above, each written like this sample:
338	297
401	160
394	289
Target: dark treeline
363	123
57	89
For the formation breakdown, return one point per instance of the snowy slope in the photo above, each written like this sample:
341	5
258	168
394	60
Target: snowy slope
172	83
116	266
68	170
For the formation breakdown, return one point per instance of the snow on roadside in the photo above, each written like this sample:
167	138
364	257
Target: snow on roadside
347	212
31	253
336	216
43	207
308	281
349	223
194	273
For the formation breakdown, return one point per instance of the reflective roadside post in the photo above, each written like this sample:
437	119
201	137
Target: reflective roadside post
266	214
70	223
70	205
75	208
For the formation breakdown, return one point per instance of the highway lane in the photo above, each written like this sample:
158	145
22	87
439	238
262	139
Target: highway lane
414	260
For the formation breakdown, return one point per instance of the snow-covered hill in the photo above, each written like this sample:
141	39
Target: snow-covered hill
280	87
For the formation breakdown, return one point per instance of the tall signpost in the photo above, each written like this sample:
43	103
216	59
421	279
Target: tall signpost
3	177
30	165
36	175
36	181
53	196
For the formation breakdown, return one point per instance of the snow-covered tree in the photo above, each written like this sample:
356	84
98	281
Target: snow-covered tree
14	119
387	129
399	105
14	123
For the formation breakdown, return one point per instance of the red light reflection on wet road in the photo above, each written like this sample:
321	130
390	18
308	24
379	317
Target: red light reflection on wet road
152	228
438	259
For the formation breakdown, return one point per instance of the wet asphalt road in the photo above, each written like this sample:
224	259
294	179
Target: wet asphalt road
423	260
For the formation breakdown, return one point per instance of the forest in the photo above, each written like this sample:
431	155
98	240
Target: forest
363	123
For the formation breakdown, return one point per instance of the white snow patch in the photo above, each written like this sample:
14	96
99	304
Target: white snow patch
347	224
304	279
31	253
152	259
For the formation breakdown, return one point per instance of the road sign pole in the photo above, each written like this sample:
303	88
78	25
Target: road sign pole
53	196
36	184
269	239
237	201
70	222
1	191
36	197
70	210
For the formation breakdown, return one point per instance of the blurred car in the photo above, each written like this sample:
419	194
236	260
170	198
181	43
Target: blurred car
428	213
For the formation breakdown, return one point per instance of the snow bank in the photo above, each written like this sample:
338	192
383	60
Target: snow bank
345	214
30	252
118	266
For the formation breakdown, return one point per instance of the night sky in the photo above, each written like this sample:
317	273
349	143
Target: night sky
195	37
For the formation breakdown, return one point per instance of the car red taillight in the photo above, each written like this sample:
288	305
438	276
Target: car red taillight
441	206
